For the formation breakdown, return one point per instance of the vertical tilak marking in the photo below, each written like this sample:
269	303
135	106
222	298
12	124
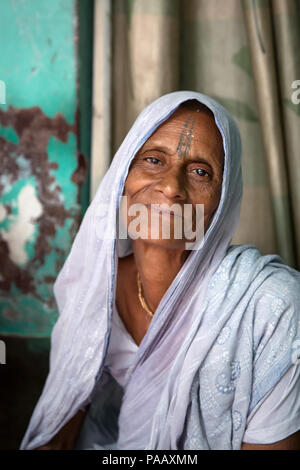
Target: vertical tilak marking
185	138
189	138
182	136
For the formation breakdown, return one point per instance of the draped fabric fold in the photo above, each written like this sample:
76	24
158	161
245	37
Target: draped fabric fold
146	39
259	19
286	20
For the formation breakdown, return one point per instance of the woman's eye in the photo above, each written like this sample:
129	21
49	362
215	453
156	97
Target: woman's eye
201	172
152	160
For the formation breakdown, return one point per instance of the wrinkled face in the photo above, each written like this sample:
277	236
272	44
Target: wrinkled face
181	163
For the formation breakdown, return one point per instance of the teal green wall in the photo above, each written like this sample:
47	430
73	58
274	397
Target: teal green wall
45	62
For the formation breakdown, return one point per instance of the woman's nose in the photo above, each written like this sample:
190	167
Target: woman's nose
171	184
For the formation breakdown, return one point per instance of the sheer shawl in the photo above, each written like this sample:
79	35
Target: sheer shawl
220	339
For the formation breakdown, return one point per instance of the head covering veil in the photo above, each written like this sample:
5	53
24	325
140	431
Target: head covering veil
174	346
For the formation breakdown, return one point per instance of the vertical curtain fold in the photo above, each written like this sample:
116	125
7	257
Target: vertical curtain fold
101	115
259	26
146	57
286	18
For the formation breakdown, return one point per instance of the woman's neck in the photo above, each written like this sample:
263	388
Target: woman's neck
157	266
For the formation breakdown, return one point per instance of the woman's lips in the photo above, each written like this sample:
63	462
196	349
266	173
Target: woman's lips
161	209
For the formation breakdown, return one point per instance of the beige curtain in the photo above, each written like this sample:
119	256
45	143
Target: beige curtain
273	29
246	54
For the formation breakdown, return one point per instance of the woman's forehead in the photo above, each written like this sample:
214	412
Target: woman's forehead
188	128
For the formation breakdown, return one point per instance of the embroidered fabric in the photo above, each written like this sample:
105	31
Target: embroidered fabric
275	417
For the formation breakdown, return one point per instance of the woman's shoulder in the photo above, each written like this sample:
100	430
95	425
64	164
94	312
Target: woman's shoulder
273	270
275	286
275	299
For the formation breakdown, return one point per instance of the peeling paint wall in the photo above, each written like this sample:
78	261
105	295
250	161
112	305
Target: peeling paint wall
43	166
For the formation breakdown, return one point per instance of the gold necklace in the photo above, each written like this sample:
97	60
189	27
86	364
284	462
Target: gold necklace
141	297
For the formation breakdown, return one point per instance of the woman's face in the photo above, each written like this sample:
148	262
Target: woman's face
181	163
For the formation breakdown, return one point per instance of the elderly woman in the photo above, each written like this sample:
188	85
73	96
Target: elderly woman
164	346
